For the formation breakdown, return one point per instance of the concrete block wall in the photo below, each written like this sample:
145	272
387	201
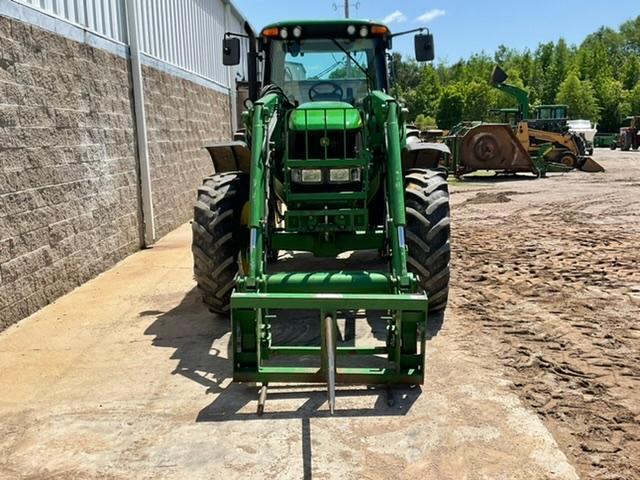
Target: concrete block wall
181	117
69	187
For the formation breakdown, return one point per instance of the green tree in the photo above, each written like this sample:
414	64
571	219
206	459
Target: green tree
630	33
424	98
450	107
634	101
611	99
479	97
406	74
631	72
560	65
579	96
425	122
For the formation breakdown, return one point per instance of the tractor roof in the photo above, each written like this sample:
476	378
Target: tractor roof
329	26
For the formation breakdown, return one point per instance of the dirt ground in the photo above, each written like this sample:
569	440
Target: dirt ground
547	280
532	375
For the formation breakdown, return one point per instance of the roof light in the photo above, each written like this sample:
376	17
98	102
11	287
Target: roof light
297	32
379	30
284	33
271	32
351	29
364	31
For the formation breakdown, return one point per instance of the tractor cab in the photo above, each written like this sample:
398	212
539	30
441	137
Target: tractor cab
551	112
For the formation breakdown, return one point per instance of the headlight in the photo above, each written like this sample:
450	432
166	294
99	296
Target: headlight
351	29
339	175
344	175
284	33
364	31
297	32
306	175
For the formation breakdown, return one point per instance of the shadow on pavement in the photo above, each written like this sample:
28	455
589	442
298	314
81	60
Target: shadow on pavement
196	335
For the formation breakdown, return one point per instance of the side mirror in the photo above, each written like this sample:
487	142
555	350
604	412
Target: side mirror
425	51
231	51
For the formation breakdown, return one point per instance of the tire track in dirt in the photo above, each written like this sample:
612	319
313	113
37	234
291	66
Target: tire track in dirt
552	289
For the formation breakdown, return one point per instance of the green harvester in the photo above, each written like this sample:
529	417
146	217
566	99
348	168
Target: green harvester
323	165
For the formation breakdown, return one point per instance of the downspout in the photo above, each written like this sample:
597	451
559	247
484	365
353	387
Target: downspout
146	198
230	74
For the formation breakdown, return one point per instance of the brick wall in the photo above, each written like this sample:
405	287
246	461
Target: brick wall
69	201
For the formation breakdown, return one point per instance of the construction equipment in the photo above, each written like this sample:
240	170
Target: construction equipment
324	166
606	140
549	126
586	129
629	136
493	146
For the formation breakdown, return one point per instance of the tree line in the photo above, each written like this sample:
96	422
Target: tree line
599	80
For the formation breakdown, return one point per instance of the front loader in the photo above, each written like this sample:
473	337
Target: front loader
323	166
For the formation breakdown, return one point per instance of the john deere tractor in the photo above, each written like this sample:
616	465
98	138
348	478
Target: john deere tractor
323	166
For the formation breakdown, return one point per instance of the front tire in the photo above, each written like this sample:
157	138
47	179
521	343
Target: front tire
428	232
219	236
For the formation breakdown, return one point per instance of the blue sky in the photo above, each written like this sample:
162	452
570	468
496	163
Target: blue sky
463	27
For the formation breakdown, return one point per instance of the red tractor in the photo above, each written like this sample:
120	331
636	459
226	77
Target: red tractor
629	134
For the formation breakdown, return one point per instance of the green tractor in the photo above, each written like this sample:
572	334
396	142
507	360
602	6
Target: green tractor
324	165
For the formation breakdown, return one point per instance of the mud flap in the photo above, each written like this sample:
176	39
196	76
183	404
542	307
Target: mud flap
230	157
419	154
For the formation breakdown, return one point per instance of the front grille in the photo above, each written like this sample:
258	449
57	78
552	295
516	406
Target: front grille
323	145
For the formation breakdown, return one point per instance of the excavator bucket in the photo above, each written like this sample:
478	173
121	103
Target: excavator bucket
588	164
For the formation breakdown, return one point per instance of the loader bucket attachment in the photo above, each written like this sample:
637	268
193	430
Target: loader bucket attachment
588	164
498	76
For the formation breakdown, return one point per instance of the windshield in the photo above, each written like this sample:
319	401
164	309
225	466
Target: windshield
319	70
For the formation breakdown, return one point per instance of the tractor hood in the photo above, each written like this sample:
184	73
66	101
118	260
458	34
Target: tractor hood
314	116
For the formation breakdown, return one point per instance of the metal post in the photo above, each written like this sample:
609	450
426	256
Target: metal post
329	360
231	75
346	15
141	124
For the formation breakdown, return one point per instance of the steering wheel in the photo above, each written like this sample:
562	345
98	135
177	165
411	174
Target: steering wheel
325	90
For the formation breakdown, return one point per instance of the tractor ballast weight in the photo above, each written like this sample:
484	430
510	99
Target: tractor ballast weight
324	166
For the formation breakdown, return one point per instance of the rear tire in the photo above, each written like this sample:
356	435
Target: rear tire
626	143
218	236
428	232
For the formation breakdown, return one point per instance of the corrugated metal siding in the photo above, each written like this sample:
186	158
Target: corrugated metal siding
105	17
187	34
184	33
